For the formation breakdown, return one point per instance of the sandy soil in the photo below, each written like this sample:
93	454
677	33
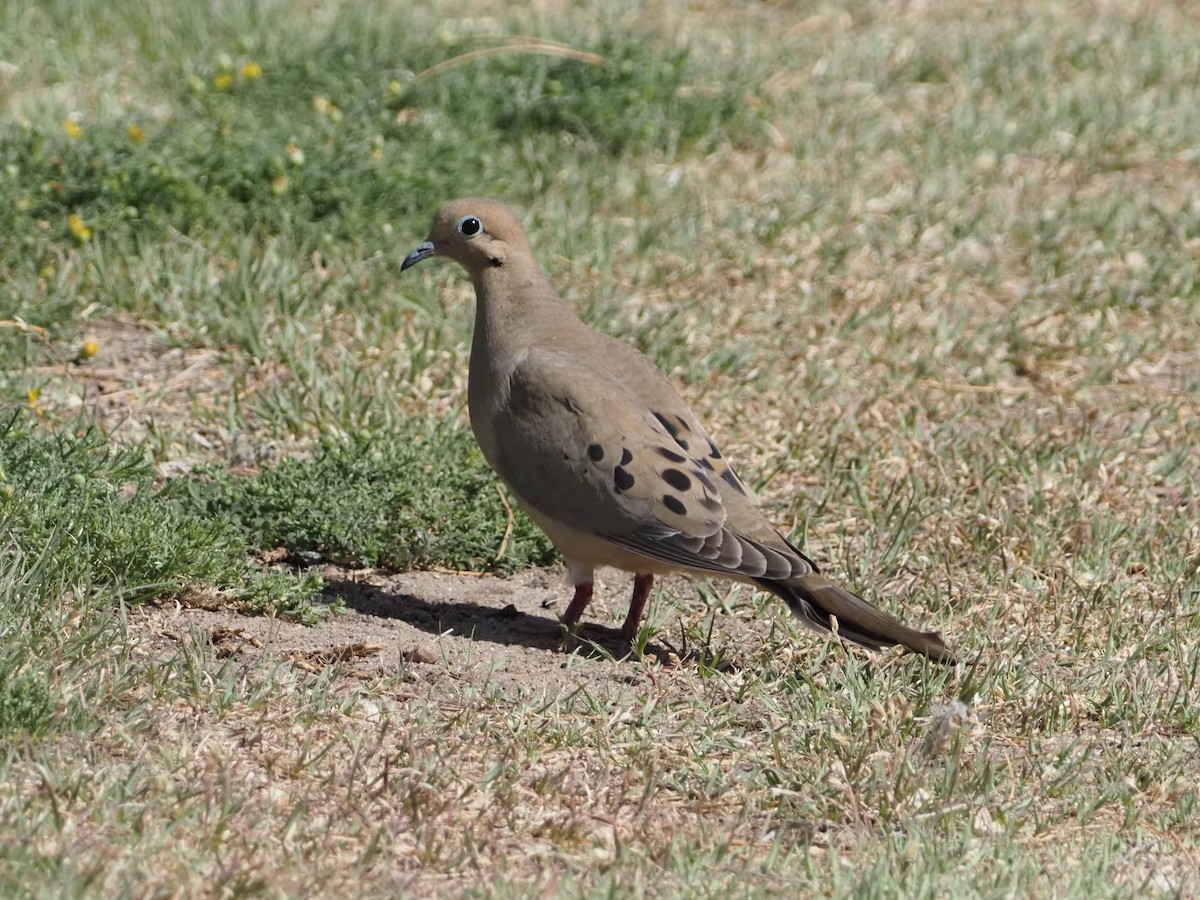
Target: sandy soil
504	631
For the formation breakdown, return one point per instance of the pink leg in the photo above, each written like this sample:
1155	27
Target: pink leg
637	603
583	596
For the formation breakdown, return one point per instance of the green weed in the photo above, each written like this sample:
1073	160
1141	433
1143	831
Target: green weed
406	499
92	513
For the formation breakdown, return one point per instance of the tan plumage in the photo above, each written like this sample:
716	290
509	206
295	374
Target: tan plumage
605	456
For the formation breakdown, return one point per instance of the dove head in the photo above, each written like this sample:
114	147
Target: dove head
476	234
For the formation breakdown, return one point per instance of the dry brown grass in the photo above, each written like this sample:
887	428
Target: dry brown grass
962	365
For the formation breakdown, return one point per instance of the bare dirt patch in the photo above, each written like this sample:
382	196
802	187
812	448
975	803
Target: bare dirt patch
127	377
483	629
140	389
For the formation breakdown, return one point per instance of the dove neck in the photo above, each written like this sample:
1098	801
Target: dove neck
514	303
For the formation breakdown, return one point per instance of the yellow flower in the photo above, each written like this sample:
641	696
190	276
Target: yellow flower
295	155
89	349
394	87
135	133
326	107
222	81
32	398
251	71
78	229
74	132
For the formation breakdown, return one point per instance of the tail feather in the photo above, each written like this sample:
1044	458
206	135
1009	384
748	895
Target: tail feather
817	601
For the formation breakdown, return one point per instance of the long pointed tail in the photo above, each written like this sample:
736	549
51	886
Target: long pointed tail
816	600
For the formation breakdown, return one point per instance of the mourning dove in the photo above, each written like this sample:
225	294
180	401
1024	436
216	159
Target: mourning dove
605	456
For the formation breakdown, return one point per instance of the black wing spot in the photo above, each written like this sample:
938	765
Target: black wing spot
626	456
674	504
622	480
595	452
711	503
677	479
732	481
704	463
706	481
672	429
675	426
712	450
669	454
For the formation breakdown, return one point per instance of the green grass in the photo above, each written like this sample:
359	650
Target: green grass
317	147
930	275
75	507
410	499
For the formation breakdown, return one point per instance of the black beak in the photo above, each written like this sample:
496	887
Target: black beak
423	251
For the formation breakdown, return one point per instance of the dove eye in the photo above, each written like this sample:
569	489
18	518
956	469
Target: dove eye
469	226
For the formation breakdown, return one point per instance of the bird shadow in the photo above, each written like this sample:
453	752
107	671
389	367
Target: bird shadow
507	626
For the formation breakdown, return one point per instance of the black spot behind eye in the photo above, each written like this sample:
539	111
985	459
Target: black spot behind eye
469	226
